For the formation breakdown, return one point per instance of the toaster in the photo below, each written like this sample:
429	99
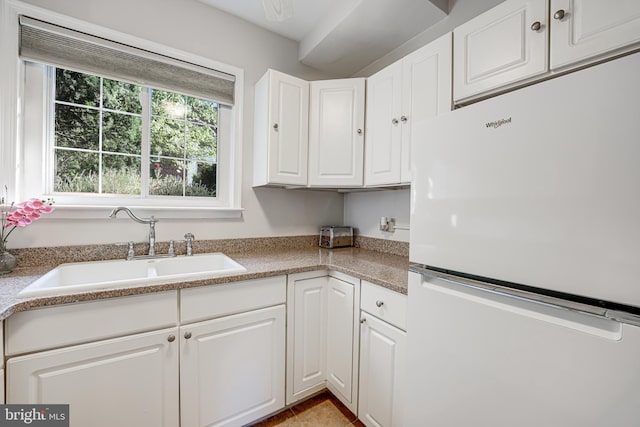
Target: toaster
333	236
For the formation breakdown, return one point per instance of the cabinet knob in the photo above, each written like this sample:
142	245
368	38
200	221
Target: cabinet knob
394	121
187	335
275	126
404	119
379	303
363	320
559	14
536	26
171	338
359	131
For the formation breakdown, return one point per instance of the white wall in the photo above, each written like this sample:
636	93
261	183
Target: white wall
196	28
363	210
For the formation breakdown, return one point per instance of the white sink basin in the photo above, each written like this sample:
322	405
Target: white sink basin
89	276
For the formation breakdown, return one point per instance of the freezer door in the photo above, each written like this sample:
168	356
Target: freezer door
540	186
484	360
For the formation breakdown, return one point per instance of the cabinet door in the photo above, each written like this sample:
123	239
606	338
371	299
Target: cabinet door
287	128
382	373
336	133
500	48
426	92
308	337
340	329
129	381
590	28
232	368
383	132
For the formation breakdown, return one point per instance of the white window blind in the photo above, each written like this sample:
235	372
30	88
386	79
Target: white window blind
61	47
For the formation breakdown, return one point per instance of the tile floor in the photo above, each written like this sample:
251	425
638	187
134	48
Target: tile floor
323	410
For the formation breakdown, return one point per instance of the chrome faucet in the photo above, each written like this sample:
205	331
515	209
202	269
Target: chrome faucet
152	226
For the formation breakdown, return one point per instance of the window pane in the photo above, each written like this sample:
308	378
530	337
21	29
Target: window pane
201	143
166	177
167	137
76	171
201	179
121	133
202	111
76	127
121	96
77	88
168	104
120	174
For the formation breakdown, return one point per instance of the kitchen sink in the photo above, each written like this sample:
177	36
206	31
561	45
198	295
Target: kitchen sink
89	276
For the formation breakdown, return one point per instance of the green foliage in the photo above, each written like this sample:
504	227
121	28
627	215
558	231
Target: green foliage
183	129
206	177
77	88
171	185
121	96
127	181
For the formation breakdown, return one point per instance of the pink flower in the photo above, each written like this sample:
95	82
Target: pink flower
35	203
20	215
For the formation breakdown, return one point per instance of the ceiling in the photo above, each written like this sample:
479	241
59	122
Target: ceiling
343	36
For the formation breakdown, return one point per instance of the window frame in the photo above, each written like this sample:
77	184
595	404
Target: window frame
16	114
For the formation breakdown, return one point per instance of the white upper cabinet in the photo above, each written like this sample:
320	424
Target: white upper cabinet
336	133
426	92
281	130
383	132
505	45
582	29
408	91
520	41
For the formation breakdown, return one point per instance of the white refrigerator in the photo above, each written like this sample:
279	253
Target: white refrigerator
524	287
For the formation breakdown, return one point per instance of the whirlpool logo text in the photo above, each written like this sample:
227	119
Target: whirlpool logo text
498	123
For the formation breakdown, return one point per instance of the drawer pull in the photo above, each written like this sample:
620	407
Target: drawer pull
379	303
187	335
171	338
363	320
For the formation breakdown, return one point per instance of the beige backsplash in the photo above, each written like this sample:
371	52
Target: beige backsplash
34	257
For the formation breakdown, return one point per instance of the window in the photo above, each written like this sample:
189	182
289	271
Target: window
104	123
108	139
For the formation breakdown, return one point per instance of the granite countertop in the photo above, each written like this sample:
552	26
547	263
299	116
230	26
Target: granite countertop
387	270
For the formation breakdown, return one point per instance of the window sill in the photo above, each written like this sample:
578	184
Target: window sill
63	211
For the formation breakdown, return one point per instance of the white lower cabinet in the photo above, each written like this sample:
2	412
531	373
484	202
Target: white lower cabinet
382	371
322	338
221	362
340	337
232	368
127	381
307	296
382	357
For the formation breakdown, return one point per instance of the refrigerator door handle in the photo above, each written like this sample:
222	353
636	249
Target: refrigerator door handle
618	316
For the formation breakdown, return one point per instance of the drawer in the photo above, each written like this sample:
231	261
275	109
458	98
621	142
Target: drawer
208	302
385	304
64	325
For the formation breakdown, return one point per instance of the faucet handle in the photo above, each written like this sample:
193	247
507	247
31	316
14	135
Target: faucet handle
190	238
172	249
130	251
